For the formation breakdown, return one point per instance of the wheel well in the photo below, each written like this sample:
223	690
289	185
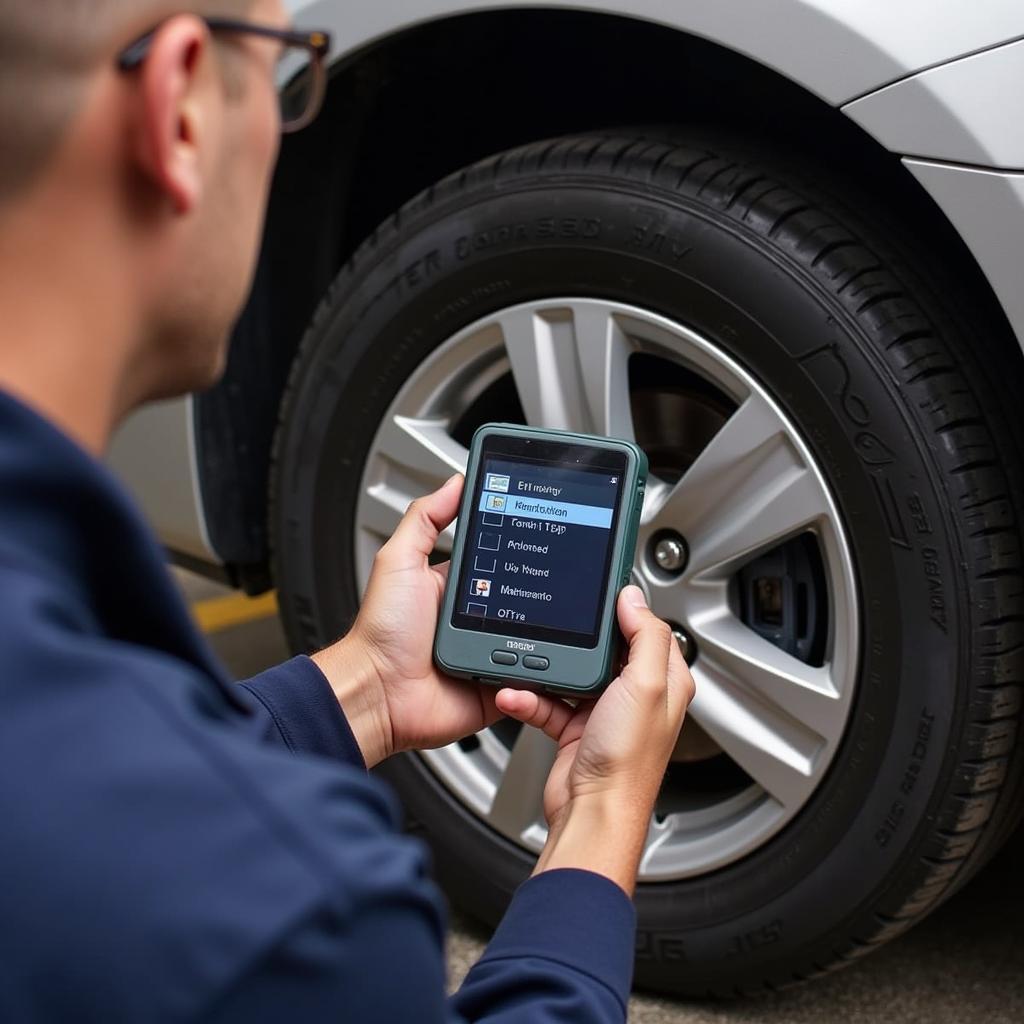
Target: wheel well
413	107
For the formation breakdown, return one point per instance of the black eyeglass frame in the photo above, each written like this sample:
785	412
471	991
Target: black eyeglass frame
315	42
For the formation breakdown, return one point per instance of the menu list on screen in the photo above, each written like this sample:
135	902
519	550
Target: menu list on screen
537	547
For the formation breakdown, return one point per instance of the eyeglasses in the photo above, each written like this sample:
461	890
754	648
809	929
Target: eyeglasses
302	66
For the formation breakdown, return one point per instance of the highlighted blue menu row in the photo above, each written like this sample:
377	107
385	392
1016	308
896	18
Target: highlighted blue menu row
539	508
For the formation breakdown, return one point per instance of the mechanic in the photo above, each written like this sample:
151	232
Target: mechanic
177	846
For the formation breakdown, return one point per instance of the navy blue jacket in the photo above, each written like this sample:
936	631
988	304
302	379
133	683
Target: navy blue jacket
176	847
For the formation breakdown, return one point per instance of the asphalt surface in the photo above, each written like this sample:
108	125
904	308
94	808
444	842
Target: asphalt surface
964	963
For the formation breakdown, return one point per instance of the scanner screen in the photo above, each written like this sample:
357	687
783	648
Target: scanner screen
539	543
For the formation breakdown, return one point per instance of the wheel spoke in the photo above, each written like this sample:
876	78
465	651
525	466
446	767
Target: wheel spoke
382	509
421	455
570	366
747	491
803	692
423	448
519	801
603	352
772	714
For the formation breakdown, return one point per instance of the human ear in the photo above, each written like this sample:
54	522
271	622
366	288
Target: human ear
176	115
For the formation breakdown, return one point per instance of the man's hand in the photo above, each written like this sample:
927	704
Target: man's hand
612	752
382	671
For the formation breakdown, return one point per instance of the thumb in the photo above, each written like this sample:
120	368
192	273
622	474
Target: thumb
632	611
649	639
423	521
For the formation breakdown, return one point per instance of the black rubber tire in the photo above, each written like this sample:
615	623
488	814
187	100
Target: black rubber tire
908	410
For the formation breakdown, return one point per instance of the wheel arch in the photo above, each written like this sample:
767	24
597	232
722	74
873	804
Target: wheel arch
409	107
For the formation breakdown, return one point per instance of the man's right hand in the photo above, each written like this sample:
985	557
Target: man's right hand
612	752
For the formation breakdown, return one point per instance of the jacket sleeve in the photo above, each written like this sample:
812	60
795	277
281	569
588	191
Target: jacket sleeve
294	706
562	955
563	952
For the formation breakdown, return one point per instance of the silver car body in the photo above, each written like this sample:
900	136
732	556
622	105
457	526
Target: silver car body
939	83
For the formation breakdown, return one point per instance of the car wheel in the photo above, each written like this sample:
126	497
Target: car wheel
829	526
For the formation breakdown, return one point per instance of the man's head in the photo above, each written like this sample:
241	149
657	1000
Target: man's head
153	178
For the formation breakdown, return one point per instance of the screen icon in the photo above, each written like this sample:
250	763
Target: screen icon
614	480
474	608
488	541
497	482
495	502
480	588
484	564
492	518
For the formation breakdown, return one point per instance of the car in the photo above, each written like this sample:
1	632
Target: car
779	246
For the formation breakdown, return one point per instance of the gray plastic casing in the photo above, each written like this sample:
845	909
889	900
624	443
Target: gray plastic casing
575	671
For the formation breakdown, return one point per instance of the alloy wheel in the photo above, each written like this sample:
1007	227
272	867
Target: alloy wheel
765	596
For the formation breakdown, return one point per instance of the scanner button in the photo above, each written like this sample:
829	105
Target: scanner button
534	661
504	657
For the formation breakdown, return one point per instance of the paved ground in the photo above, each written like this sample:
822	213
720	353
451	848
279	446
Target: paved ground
964	964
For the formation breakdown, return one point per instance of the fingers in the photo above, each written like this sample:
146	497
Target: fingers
423	521
549	715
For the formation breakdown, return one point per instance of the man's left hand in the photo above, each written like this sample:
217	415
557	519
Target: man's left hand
382	671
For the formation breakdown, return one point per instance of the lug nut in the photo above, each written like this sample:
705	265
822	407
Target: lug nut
670	552
686	644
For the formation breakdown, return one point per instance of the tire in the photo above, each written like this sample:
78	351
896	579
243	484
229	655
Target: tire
907	412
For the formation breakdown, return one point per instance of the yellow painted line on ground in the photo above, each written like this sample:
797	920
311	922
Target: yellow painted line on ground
219	613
